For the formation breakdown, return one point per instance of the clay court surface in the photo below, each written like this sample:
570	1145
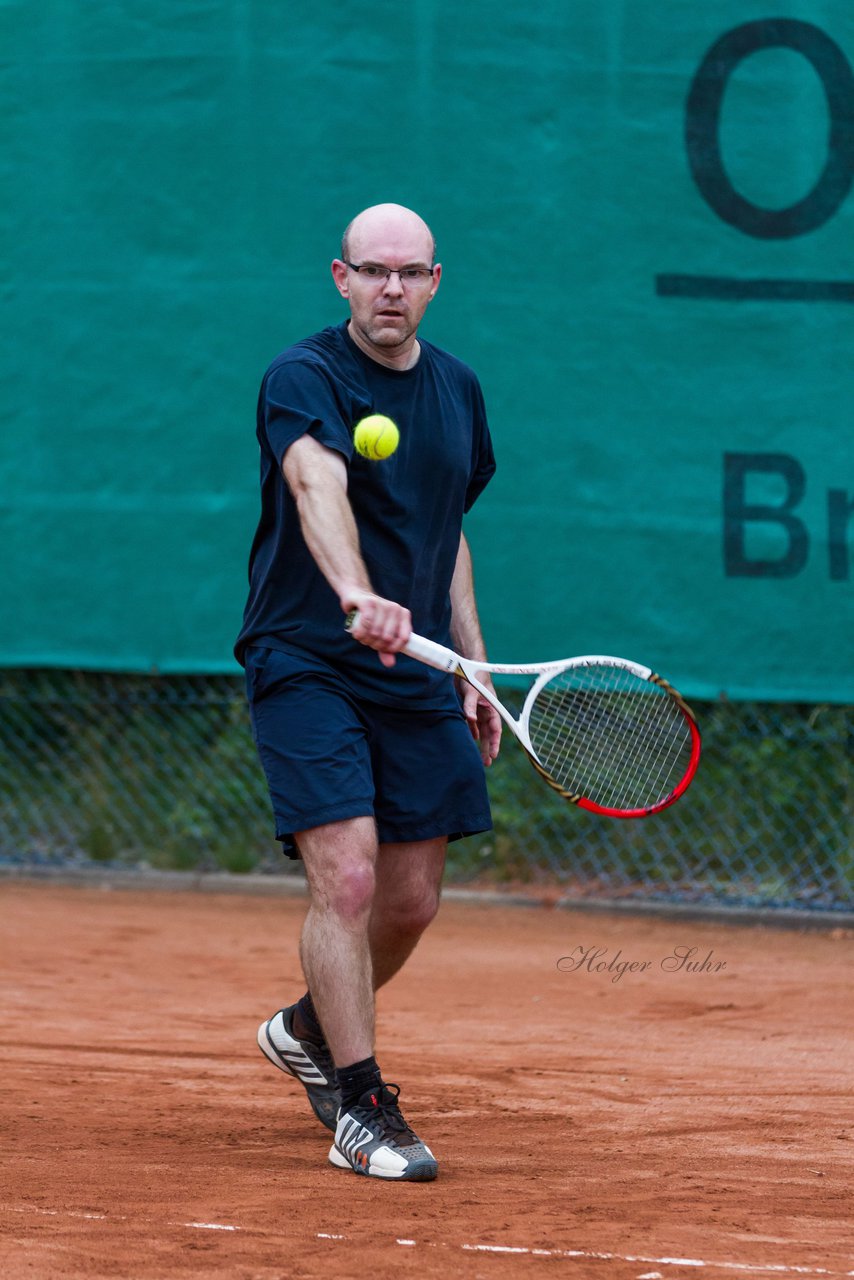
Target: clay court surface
585	1127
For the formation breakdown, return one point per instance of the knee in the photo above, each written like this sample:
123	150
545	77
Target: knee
350	895
410	915
340	861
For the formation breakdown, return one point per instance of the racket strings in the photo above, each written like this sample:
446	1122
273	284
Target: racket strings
606	734
630	763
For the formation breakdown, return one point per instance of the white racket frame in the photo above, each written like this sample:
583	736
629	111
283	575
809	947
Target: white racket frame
444	659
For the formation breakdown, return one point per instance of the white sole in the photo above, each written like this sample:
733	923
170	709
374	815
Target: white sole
323	1099
340	1161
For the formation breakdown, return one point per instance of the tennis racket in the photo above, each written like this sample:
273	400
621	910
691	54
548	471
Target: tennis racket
609	735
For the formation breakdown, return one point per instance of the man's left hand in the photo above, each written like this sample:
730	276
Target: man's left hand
483	720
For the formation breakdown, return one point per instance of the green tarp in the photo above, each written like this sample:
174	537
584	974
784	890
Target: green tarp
646	223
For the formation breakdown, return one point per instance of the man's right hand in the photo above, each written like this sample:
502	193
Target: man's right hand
381	624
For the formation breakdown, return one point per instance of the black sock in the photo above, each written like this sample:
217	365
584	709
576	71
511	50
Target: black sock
357	1079
306	1022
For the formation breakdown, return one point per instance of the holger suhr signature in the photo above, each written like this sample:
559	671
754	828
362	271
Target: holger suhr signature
681	959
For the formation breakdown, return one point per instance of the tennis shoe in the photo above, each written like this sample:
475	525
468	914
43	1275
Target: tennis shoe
373	1139
306	1061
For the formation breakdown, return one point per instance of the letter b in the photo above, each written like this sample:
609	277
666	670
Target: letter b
738	513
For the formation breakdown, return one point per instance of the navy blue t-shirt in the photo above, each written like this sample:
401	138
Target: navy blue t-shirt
408	508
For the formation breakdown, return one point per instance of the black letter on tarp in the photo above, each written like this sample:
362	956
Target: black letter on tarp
738	512
703	118
839	510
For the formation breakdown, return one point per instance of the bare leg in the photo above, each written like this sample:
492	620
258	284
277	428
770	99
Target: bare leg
340	860
369	907
406	898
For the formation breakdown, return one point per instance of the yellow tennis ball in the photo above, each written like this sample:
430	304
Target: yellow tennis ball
376	437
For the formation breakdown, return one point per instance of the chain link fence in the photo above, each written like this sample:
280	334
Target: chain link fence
148	771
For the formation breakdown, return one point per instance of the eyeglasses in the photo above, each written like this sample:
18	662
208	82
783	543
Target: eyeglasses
406	275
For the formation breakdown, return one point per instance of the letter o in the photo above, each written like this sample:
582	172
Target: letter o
702	128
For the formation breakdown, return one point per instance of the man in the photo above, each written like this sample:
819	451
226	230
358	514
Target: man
371	762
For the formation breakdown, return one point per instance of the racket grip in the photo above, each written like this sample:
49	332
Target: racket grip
433	654
427	651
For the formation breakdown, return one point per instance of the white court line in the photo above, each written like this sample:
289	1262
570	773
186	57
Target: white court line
744	1268
113	1217
206	1226
54	1213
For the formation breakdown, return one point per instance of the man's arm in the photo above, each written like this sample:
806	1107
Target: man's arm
317	478
483	720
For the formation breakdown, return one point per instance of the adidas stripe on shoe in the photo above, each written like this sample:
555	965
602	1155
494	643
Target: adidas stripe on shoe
307	1062
373	1139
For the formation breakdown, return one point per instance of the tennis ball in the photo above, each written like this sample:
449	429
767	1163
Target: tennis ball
376	437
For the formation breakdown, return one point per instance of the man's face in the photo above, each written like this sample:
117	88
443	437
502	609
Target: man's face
385	313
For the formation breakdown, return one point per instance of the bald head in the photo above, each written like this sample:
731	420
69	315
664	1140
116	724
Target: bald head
387	306
388	228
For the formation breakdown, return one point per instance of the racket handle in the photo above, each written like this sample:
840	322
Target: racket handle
427	651
435	655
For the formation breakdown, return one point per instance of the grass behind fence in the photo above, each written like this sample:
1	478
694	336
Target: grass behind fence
162	772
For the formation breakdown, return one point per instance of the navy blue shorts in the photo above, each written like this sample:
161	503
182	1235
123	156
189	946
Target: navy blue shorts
329	756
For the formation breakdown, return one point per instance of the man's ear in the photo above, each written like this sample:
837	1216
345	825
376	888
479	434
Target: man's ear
341	278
